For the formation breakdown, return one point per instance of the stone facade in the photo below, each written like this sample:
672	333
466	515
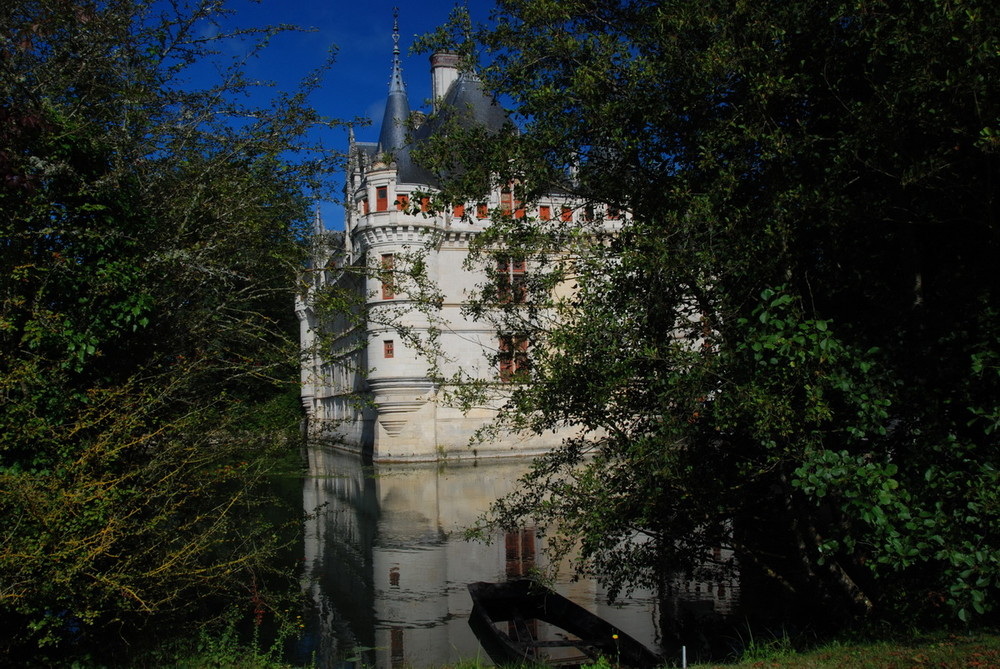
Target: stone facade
402	415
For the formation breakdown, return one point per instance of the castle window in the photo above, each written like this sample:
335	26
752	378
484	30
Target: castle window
545	212
511	280
425	204
388	348
613	212
567	214
510	206
402	201
382	198
513	358
482	211
458	211
364	206
388	285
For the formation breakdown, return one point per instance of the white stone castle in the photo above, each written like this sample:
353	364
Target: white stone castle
368	387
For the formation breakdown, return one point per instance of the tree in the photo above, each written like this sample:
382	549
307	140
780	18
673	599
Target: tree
789	344
150	241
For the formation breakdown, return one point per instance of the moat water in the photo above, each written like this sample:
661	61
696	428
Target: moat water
385	567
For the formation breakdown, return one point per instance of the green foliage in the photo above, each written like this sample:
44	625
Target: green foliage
771	650
788	346
222	646
151	234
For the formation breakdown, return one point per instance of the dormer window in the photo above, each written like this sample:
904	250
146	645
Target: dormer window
382	198
510	206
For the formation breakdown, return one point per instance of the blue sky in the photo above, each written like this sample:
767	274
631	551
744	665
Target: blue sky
361	30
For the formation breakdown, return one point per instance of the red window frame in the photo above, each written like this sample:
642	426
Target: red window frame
382	198
545	212
511	276
402	201
513	357
458	211
506	200
388	348
509	205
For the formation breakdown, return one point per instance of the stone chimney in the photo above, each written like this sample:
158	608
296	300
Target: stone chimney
444	70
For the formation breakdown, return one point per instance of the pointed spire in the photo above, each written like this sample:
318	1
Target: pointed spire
396	84
318	227
392	138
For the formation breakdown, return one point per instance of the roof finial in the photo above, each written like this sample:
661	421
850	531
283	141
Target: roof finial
396	82
395	30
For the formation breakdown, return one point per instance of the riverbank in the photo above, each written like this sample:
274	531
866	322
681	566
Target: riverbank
941	651
936	650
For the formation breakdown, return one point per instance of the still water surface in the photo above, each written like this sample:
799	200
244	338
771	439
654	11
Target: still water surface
385	565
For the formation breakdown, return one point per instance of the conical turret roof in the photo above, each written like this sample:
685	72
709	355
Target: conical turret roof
393	137
464	99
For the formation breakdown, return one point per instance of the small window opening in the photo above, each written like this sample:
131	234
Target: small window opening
388	284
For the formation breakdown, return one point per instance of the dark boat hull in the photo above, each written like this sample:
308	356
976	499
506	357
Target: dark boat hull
503	614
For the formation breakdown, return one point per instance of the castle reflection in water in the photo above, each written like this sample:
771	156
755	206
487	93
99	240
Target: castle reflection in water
386	564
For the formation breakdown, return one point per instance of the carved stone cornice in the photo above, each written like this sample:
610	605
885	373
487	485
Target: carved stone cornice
367	234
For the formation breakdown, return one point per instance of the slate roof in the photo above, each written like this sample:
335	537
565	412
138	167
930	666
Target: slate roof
465	99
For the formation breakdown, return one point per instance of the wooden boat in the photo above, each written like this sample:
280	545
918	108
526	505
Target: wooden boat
505	617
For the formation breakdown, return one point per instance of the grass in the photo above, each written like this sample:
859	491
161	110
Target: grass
939	651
